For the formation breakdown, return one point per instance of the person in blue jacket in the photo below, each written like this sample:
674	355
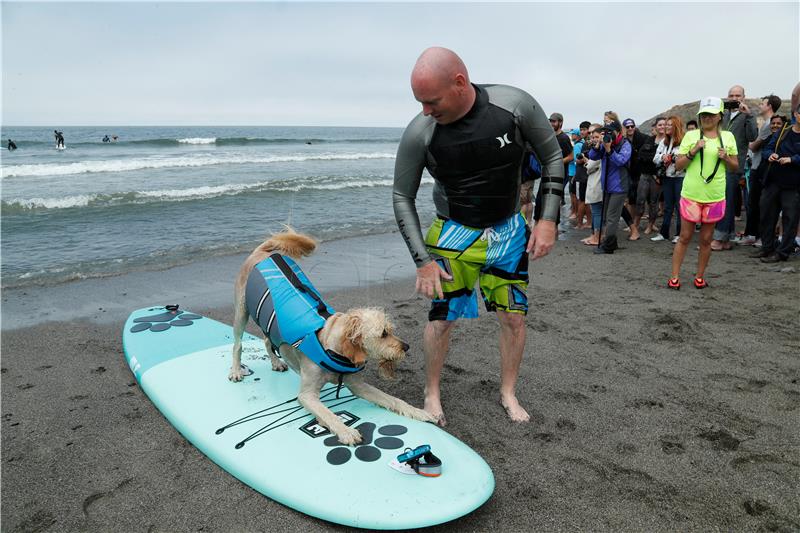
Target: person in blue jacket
614	153
781	192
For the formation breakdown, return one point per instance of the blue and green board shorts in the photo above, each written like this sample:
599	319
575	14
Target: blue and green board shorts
494	256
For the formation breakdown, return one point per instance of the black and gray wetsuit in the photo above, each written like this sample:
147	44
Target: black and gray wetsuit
476	163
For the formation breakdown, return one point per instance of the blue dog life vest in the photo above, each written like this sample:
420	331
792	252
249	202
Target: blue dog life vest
288	309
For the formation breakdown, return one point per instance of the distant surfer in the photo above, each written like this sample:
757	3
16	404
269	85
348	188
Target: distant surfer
472	138
106	139
11	145
59	138
114	138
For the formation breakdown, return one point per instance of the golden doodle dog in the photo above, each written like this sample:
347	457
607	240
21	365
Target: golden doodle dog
320	345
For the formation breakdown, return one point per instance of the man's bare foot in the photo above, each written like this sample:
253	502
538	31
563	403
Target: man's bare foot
515	411
433	406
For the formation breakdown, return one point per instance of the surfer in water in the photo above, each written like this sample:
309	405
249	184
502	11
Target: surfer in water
472	139
11	145
59	138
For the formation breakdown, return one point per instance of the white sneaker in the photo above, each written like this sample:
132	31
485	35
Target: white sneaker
747	240
675	239
757	244
658	238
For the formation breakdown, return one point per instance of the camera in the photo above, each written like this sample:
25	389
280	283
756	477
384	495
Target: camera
731	104
607	138
580	156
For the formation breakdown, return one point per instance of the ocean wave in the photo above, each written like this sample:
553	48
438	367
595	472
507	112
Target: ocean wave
162	259
198	140
319	183
200	160
219	141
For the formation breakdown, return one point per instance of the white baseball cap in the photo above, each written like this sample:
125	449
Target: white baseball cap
710	104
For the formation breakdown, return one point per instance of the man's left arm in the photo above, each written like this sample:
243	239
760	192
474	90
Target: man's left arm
536	130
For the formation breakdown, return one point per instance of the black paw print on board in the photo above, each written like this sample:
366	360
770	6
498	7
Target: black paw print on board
164	321
365	451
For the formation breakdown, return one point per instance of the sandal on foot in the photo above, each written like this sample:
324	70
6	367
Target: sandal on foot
674	283
700	283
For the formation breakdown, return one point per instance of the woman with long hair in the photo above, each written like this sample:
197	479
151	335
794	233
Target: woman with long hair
706	154
670	179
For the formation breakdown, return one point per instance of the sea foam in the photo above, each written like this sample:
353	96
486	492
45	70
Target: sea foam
200	160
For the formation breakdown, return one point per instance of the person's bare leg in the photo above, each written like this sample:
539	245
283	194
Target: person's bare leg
679	252
706	235
527	211
436	341
512	344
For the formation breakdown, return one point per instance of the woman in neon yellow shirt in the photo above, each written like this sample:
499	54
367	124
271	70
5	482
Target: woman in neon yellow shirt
706	154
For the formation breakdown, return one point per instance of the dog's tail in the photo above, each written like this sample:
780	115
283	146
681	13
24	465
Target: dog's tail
289	242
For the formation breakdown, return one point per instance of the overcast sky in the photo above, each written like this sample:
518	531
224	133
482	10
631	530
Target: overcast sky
348	64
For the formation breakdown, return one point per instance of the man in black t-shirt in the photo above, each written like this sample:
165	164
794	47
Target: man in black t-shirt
557	121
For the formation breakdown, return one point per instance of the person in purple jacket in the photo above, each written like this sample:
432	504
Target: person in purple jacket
614	154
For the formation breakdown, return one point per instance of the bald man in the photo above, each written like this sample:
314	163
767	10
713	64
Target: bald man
471	139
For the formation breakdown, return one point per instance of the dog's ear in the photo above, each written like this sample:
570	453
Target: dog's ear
353	340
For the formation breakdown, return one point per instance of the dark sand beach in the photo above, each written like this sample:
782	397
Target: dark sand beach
652	410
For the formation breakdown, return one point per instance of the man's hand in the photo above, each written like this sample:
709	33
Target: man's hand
785	160
542	239
608	147
743	108
773	157
429	280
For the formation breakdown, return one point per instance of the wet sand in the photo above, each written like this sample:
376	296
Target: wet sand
652	410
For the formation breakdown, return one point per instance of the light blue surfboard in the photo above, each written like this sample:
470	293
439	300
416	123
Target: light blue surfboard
258	432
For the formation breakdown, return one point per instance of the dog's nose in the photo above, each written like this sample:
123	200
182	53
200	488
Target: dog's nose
405	346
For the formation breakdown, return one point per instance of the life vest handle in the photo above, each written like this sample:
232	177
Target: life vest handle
287	271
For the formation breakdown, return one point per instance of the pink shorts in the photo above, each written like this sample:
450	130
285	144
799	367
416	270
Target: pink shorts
702	213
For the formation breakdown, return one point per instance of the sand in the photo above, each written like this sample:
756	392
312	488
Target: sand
652	410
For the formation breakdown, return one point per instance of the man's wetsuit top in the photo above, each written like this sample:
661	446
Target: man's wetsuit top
476	163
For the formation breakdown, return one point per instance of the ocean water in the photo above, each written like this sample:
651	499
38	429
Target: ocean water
162	196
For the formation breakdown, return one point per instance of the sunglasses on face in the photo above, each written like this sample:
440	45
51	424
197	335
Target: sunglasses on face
630	127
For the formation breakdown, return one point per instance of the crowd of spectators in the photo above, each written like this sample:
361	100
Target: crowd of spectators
615	171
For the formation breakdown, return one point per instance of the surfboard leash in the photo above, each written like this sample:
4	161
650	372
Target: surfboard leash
269	427
324	398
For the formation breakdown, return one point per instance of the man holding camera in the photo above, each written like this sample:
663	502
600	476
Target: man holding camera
738	120
614	153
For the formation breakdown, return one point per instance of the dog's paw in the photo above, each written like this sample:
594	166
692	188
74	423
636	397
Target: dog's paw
279	366
419	414
237	373
349	436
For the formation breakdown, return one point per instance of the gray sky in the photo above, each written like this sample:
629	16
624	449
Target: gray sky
348	64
